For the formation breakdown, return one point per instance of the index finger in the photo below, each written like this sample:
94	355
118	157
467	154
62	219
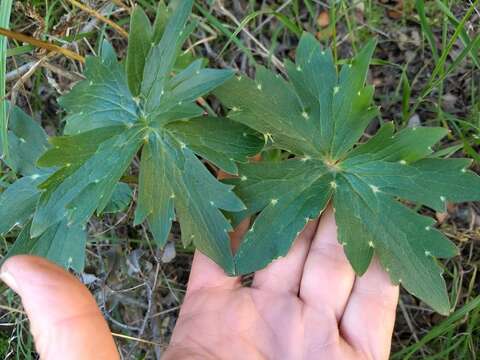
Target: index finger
206	274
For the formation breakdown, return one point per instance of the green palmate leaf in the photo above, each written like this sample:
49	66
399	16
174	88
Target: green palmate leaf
111	117
217	140
76	149
172	176
62	244
143	36
90	185
410	181
162	57
410	144
162	17
290	195
404	241
161	20
155	198
27	141
102	100
18	201
319	117
191	86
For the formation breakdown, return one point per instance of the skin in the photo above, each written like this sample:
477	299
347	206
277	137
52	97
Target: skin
308	305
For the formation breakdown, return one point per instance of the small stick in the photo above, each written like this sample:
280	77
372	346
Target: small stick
121	336
41	44
120	3
100	17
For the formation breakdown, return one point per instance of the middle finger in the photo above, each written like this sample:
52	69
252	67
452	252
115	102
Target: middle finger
328	277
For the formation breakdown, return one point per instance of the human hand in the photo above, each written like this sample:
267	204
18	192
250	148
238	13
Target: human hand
308	305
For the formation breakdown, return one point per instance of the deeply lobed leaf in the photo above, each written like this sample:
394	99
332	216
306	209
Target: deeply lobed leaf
61	244
90	186
26	141
102	100
112	116
319	117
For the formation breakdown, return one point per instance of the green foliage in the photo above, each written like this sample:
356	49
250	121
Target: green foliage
5	11
456	337
113	114
319	117
121	199
60	243
140	43
26	141
147	107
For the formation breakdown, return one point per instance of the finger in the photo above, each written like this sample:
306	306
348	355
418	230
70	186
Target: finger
369	317
327	275
65	320
284	274
206	274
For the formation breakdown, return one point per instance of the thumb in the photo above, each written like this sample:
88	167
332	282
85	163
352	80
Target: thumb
65	320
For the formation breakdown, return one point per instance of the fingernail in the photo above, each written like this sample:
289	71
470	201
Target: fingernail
8	279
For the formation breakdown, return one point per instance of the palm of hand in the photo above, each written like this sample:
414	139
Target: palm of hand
308	305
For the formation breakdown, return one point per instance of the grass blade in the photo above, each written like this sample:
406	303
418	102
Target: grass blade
406	94
450	323
5	10
280	17
220	27
463	34
426	29
434	79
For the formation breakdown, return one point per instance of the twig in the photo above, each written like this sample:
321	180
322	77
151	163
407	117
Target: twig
164	312
100	17
275	60
150	292
58	70
120	4
41	44
270	17
11	309
406	316
199	42
18	72
137	339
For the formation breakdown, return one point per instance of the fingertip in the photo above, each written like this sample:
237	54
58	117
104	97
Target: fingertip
25	264
206	273
378	281
283	275
327	228
62	312
24	272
